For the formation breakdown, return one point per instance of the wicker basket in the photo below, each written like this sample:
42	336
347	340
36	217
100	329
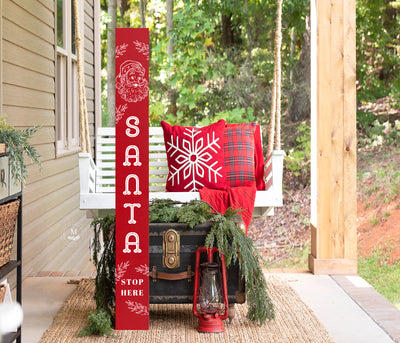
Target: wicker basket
8	219
3	289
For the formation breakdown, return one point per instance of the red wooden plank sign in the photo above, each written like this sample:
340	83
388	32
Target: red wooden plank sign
132	179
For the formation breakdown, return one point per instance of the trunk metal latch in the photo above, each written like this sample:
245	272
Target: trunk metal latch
171	249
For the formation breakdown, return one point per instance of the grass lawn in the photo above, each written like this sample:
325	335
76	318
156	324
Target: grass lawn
385	278
375	269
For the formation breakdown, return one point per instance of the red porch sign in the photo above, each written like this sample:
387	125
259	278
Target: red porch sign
132	179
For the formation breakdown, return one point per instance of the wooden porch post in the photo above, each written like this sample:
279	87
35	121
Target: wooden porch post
334	203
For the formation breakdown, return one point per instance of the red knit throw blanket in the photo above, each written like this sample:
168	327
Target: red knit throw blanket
241	197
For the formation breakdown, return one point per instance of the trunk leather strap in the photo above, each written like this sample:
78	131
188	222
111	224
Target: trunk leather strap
154	274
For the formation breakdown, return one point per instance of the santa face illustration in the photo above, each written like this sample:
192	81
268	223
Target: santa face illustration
131	83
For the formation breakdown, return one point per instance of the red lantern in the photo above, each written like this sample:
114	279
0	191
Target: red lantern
210	298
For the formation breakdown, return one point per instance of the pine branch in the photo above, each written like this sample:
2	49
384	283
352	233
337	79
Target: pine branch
236	246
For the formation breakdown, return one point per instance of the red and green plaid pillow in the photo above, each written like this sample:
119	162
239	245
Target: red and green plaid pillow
244	160
239	154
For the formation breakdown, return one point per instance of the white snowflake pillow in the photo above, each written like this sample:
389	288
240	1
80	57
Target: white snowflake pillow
195	157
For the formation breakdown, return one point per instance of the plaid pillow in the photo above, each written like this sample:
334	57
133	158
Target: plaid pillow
239	152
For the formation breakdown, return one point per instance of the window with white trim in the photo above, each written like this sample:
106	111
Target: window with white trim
67	96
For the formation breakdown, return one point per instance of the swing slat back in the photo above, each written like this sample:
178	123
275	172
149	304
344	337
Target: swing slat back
97	180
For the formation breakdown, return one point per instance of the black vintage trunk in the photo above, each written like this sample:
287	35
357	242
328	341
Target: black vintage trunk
181	291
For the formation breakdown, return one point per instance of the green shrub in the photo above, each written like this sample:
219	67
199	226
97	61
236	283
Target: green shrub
298	158
99	325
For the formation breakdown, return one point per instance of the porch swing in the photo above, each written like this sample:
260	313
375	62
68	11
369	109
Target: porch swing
97	180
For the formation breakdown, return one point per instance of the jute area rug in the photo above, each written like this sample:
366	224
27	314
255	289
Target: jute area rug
294	322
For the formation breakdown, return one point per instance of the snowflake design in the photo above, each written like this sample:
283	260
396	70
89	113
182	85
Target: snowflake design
119	112
194	159
143	48
143	269
137	308
120	271
120	50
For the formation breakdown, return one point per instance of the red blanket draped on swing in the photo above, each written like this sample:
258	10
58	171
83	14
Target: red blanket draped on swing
241	197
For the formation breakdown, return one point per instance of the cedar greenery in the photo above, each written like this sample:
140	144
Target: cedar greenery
230	239
224	234
17	144
104	261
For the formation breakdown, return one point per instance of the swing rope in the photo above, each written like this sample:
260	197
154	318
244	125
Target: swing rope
275	119
83	115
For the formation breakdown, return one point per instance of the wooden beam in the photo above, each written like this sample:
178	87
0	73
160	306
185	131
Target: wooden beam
337	266
334	234
350	132
337	129
324	108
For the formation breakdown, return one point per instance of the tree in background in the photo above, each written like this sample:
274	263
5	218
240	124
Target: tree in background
216	61
378	50
215	58
299	94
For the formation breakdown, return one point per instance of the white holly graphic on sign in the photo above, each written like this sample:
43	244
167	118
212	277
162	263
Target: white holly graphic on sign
137	308
120	271
194	159
143	269
120	50
131	82
119	112
143	48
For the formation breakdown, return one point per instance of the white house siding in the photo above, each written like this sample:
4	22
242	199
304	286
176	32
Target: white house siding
51	215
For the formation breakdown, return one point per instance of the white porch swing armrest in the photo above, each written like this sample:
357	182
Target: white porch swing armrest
87	176
272	197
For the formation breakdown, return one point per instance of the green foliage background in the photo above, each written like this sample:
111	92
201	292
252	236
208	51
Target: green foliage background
207	78
378	49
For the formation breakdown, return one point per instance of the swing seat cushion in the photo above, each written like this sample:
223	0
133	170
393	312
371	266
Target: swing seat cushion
195	157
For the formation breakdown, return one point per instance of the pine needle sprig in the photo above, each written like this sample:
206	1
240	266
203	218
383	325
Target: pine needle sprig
104	260
168	211
163	211
236	246
194	213
17	142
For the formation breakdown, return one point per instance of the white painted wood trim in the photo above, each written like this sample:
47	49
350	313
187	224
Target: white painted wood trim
97	66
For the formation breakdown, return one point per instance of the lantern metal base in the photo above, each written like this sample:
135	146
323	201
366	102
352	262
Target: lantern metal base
210	323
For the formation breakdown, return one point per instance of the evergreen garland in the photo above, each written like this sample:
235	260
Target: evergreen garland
225	234
17	142
104	261
230	240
